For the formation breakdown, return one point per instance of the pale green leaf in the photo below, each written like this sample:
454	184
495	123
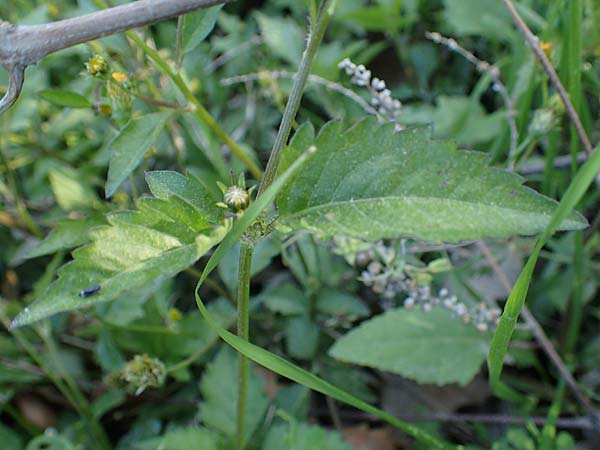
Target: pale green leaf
161	238
283	37
65	98
71	190
487	18
198	25
219	387
130	146
303	437
301	337
68	234
432	347
370	182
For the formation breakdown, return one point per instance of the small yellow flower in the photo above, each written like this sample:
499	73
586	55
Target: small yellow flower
120	77
96	65
546	48
151	151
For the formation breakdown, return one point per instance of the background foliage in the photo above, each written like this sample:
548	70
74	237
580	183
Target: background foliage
115	175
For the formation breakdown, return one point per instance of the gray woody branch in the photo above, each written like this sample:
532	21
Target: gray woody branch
23	45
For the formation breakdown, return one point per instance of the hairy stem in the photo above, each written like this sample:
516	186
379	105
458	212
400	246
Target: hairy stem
314	40
243	331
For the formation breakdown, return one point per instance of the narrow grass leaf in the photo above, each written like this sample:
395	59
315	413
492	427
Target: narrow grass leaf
578	187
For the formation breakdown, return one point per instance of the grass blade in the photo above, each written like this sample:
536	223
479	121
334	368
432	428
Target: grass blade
579	185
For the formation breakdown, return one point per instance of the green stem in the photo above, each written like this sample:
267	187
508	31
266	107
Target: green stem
314	40
243	331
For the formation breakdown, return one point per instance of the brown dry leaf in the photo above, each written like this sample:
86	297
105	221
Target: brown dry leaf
361	437
36	411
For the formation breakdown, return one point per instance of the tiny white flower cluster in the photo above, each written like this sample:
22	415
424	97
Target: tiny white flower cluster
481	316
388	108
388	273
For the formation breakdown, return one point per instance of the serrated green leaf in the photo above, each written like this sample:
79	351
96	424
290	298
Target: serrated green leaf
197	26
219	389
303	437
65	98
129	253
370	182
130	146
189	438
68	234
429	347
165	184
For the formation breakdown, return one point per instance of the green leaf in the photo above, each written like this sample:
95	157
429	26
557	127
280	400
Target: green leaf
283	36
189	438
429	347
161	238
219	388
372	183
286	299
130	145
10	439
303	437
301	337
337	303
487	18
68	234
108	401
65	98
49	442
71	191
197	26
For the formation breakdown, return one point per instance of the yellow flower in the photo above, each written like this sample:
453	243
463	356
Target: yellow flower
546	48
120	77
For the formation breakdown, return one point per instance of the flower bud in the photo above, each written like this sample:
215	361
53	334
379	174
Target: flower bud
96	65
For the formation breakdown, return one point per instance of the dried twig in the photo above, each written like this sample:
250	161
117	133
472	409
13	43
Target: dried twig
498	86
23	45
312	78
561	162
534	43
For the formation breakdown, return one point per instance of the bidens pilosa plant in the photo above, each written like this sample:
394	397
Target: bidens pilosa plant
331	226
